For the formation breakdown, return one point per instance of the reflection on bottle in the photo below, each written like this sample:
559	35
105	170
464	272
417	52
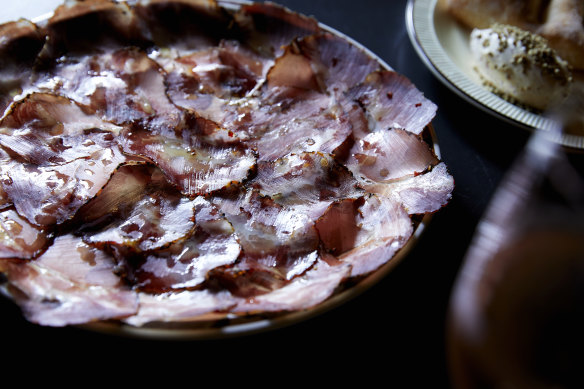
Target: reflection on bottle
516	318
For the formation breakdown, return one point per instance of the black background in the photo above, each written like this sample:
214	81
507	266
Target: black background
392	335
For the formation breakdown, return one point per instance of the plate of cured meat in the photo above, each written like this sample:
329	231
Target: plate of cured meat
191	168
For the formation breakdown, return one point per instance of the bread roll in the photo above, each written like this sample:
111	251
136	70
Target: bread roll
526	14
561	22
564	30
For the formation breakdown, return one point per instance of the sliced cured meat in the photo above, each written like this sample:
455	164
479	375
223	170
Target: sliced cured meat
306	182
62	157
81	27
340	64
387	155
382	228
277	244
392	101
195	167
225	71
337	227
45	129
294	74
314	123
421	194
268	27
53	113
214	82
184	263
208	81
323	63
18	238
181	306
304	292
137	210
123	86
52	194
71	283
20	44
307	130
5	201
183	25
275	222
364	232
264	227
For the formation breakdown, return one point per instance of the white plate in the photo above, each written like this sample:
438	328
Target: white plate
443	45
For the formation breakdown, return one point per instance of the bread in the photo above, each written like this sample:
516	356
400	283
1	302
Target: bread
559	21
483	13
564	30
520	66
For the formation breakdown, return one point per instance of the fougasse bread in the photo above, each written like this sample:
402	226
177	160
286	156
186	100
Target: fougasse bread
561	22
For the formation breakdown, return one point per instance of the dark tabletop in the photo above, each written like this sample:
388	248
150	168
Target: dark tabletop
393	333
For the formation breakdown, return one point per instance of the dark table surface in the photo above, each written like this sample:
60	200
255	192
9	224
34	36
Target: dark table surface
393	333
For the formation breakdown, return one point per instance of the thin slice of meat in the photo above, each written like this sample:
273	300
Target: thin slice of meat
216	83
321	62
21	42
46	129
384	228
19	238
277	244
387	155
51	195
268	27
392	101
293	75
421	194
366	232
194	166
212	82
337	227
304	292
315	123
181	306
226	71
339	63
71	283
61	157
123	86
183	25
183	264
138	210
306	182
84	27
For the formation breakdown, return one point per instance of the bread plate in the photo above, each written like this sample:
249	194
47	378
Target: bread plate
443	45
